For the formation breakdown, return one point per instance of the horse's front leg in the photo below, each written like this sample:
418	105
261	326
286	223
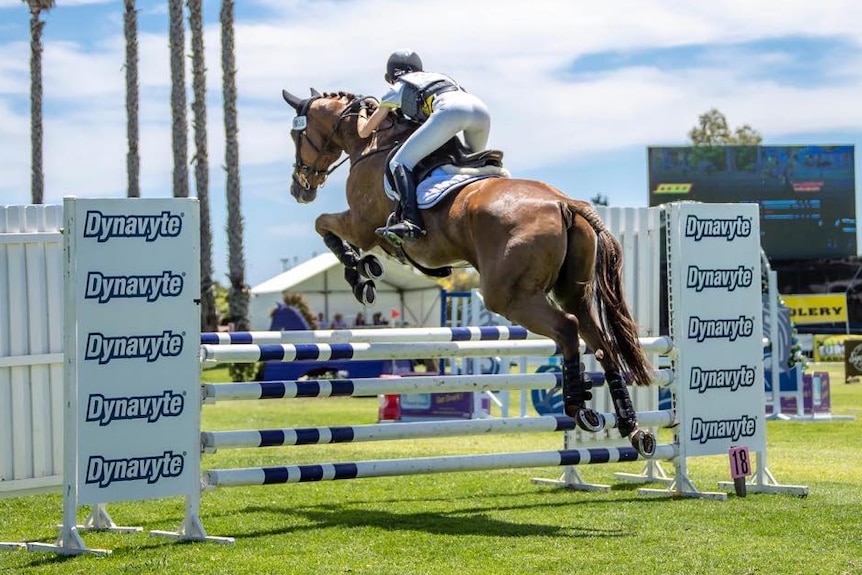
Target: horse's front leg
359	271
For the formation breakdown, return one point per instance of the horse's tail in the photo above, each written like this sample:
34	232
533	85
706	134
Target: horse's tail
615	318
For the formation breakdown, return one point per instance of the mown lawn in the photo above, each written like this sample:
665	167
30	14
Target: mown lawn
480	522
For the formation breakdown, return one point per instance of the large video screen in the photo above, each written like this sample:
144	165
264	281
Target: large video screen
807	194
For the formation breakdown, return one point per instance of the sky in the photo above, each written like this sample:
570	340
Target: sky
577	91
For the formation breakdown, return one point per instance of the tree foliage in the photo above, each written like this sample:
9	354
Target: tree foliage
133	155
37	176
179	117
711	136
238	291
712	130
209	317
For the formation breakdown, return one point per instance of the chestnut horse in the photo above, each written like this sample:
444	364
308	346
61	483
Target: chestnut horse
546	261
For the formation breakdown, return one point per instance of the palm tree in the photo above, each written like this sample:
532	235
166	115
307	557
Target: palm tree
37	177
238	292
133	158
179	122
209	318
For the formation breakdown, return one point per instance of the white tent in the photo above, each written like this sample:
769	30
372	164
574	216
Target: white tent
412	296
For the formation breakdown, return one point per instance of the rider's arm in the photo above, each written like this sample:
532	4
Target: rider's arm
366	126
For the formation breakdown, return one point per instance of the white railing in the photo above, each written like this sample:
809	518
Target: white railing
31	350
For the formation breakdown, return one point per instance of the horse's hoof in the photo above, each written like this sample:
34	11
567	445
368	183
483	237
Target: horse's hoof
589	420
644	442
365	292
370	266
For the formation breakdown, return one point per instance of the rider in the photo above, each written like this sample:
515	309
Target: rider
442	108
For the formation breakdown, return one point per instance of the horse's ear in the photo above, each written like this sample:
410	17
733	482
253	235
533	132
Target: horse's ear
315	93
295	103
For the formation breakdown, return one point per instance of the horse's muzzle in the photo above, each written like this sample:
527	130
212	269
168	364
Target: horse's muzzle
302	194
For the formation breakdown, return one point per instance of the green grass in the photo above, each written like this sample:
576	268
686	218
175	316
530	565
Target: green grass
494	522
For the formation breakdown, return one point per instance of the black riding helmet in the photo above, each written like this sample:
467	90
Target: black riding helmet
400	63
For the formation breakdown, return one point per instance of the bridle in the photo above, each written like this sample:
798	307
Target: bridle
299	133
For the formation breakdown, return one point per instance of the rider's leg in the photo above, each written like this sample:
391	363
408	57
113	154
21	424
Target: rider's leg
478	128
411	224
446	121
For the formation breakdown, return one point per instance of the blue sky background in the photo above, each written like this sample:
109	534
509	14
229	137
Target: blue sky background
577	90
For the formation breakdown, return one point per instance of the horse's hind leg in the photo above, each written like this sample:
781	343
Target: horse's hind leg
535	312
642	440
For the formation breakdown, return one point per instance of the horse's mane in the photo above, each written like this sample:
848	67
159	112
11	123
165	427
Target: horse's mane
341	95
397	120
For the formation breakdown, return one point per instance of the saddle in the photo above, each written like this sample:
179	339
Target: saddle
453	153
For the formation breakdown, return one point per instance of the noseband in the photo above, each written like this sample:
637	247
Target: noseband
299	132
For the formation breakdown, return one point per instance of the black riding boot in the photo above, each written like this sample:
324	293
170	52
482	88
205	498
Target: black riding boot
411	224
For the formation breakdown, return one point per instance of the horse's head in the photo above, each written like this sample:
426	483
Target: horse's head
316	138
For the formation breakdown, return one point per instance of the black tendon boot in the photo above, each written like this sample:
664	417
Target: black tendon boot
627	424
626	417
576	394
411	224
342	250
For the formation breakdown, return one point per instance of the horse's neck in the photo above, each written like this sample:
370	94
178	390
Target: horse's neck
386	140
370	154
399	132
367	167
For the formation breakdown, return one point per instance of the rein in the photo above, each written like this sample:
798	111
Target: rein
375	151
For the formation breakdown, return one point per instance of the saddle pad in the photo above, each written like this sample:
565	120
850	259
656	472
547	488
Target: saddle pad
445	180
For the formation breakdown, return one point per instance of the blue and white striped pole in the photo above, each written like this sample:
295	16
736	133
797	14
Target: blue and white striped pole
424	465
406	334
213	392
251	353
213	440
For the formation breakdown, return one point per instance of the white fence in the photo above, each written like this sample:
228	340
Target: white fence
31	327
31	350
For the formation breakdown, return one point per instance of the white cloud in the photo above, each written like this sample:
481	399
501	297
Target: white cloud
61	3
516	56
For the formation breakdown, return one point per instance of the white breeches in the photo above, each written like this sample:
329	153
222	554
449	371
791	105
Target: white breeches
454	112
